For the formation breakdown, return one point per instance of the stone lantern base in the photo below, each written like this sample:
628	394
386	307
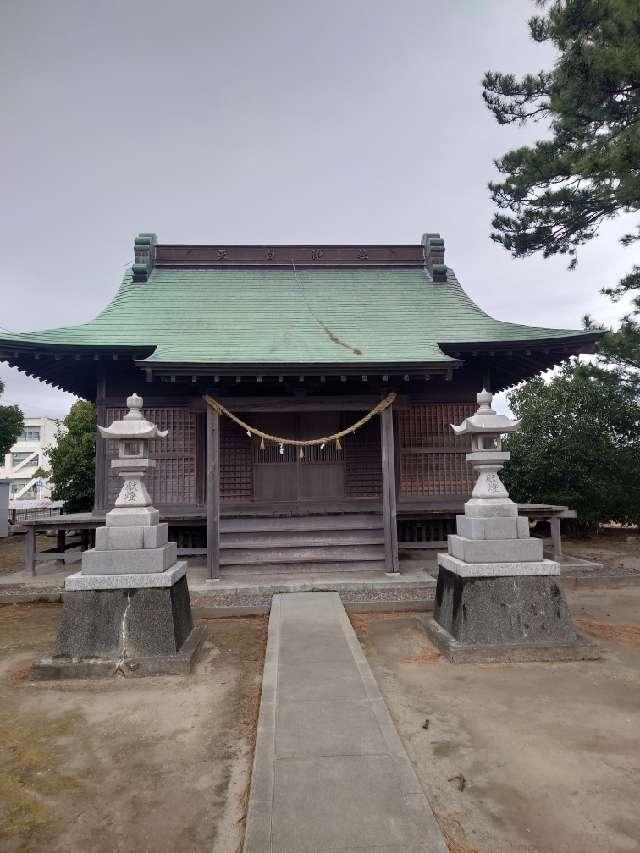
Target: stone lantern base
128	624
497	598
503	612
128	610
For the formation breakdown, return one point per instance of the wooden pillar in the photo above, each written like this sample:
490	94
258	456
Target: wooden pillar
389	492
100	493
554	523
30	550
213	494
61	543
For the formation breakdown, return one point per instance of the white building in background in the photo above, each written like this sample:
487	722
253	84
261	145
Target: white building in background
26	456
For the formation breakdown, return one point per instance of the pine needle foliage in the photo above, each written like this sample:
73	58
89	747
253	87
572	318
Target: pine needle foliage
556	193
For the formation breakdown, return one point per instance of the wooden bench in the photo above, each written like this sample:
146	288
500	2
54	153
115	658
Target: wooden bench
536	512
86	523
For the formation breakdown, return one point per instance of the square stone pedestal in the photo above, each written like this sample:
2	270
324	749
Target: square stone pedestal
129	624
484	614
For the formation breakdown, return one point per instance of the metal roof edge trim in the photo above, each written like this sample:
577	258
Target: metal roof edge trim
307	368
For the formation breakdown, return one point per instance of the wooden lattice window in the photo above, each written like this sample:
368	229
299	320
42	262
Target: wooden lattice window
236	468
362	459
173	481
432	457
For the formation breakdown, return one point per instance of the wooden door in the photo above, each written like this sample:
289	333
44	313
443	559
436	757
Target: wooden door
275	473
321	470
284	476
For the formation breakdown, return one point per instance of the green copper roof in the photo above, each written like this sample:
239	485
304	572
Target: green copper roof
278	316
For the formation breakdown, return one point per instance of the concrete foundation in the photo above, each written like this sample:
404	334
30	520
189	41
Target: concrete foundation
144	631
514	618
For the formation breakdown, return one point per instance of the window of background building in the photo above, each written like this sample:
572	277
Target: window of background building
16	485
18	458
30	433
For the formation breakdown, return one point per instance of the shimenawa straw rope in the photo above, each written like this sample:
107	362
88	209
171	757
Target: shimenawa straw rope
295	442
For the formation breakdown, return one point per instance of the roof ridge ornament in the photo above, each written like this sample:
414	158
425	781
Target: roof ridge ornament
144	254
433	248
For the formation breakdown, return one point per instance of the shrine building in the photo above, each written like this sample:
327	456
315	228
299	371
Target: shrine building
371	351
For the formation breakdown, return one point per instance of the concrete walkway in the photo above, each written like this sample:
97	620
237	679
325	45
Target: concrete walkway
330	771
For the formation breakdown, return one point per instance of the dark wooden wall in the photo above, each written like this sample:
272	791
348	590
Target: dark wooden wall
360	456
430	459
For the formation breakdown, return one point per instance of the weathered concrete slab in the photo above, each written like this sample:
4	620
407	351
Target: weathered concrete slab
345	799
493	611
129	561
335	727
330	771
497	550
318	681
580	649
79	581
124	517
520	618
50	668
102	632
490	570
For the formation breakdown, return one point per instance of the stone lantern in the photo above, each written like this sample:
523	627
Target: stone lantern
497	598
486	429
128	610
133	434
133	541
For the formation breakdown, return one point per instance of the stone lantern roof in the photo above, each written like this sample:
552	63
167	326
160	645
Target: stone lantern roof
486	420
133	424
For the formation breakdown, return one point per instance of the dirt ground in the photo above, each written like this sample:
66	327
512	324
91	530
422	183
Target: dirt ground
517	758
157	764
618	549
12	551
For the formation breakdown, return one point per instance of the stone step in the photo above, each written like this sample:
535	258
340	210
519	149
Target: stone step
334	521
295	538
323	554
344	567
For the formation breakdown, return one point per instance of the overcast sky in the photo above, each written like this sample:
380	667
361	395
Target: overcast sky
269	122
